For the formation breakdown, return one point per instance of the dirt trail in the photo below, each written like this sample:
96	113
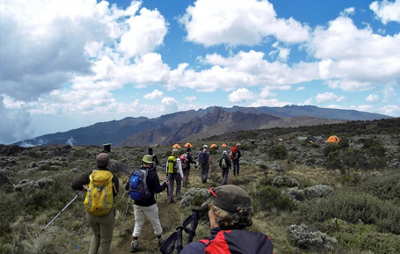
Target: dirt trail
169	221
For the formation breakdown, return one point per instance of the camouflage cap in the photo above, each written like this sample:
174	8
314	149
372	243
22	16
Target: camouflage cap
102	159
228	197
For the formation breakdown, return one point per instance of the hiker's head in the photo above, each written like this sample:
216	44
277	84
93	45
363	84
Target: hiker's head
102	160
188	150
205	146
147	159
229	207
225	152
150	150
174	152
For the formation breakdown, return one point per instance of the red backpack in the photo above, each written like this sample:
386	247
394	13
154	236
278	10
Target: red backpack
238	241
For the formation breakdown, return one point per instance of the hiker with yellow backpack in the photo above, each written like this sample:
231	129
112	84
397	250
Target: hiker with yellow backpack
174	172
101	186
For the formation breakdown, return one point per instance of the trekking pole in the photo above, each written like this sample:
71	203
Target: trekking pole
126	209
70	202
179	245
193	225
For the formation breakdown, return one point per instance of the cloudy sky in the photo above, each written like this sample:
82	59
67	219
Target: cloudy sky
70	64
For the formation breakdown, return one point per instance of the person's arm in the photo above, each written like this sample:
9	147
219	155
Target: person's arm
81	181
116	184
155	182
178	162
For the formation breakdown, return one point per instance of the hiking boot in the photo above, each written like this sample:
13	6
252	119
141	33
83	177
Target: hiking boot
160	241
134	245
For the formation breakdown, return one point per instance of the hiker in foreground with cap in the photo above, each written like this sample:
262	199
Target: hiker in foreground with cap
186	160
148	207
225	164
100	218
174	172
230	214
204	161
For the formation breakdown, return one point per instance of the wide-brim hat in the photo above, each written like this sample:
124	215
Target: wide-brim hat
147	159
228	198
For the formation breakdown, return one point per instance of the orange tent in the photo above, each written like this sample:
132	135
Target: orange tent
333	139
238	144
224	145
188	145
213	146
176	146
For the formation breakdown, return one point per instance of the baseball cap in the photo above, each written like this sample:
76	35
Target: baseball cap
224	152
228	197
147	159
205	146
102	159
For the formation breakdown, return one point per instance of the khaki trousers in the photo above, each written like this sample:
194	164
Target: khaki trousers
103	227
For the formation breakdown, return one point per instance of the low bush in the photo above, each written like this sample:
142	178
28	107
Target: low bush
266	198
354	208
386	187
277	152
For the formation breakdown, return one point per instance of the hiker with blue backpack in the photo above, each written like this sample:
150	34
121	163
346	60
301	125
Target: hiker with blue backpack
225	164
174	173
229	212
204	161
101	186
142	190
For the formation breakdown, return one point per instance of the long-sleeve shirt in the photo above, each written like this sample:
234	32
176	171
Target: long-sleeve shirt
154	186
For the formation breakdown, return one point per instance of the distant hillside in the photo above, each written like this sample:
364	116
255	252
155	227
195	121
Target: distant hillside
197	124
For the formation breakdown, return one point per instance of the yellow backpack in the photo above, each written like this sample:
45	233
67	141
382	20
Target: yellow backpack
172	167
99	196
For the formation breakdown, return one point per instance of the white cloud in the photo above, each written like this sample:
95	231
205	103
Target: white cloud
389	93
300	88
386	11
236	22
16	124
372	98
391	110
327	96
346	54
241	95
146	31
269	103
153	95
190	99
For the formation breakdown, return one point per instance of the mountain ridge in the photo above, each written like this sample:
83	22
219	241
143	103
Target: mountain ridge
197	124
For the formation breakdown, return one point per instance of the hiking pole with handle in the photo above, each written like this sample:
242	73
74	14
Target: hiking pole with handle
70	202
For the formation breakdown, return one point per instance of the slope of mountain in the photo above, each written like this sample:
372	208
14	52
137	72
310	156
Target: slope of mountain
197	124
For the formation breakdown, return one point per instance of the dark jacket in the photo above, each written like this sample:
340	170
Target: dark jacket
239	241
227	161
78	183
153	183
190	160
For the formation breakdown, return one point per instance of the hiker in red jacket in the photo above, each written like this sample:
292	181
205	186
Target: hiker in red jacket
230	213
235	156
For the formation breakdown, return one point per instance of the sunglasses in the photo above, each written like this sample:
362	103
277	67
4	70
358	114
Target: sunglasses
215	195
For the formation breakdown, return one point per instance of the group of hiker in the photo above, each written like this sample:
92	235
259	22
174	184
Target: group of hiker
229	206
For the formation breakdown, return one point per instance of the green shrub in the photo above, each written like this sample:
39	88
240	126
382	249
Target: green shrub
265	198
386	187
10	209
278	152
354	208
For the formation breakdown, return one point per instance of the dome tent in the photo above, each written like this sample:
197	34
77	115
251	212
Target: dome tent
333	139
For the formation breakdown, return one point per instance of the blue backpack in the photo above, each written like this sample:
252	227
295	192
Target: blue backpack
138	189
